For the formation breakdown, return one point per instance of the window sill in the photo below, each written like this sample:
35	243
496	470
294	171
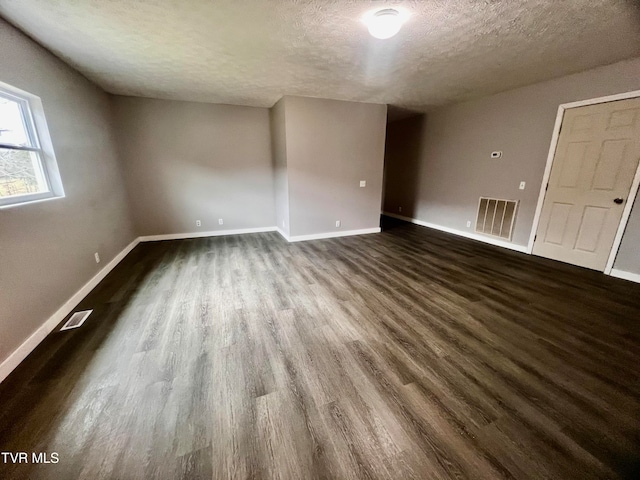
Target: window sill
31	201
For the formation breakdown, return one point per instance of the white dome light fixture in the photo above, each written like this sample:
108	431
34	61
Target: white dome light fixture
384	23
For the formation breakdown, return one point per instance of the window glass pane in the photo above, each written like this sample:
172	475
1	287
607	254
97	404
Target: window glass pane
12	129
20	173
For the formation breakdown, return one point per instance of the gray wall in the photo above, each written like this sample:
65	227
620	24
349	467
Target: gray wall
188	161
403	157
447	153
331	146
628	258
279	154
46	249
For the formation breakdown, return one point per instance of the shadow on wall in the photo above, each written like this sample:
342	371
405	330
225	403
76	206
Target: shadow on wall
402	165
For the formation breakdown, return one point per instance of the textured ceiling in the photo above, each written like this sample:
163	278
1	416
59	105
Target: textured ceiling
251	52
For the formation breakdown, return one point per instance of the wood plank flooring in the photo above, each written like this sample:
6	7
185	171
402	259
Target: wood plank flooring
409	354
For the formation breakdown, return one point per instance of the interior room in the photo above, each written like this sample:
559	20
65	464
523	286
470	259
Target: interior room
328	239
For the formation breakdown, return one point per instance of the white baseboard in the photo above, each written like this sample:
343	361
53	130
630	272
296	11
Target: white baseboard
632	277
299	238
20	353
283	234
461	233
213	233
320	236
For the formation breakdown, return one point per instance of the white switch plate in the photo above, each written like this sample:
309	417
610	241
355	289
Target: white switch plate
198	223
363	183
220	222
522	185
468	223
337	223
97	257
400	209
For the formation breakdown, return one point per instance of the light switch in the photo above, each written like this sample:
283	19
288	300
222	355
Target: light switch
363	183
522	185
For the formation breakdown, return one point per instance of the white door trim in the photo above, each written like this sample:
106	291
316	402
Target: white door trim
547	172
623	222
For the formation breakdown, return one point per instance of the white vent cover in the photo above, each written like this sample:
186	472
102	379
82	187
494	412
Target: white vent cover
76	320
496	217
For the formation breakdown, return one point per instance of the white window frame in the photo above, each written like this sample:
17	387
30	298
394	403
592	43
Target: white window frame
40	143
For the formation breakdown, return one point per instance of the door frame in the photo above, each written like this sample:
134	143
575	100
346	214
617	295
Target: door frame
547	173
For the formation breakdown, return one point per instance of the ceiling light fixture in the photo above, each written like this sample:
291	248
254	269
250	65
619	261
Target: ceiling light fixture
384	23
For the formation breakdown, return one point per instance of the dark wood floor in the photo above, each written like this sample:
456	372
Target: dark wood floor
405	354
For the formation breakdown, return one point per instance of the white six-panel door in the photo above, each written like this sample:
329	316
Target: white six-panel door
595	161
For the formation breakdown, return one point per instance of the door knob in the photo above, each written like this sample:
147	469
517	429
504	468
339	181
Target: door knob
618	201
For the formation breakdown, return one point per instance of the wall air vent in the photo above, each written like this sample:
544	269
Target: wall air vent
76	320
496	217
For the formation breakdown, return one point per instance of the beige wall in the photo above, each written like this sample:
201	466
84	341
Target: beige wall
447	153
46	249
279	154
188	161
331	146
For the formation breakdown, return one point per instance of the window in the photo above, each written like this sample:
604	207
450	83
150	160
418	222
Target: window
28	170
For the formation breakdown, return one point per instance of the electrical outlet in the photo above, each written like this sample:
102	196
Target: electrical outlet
337	223
198	223
522	185
400	209
220	222
363	183
97	257
468	223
